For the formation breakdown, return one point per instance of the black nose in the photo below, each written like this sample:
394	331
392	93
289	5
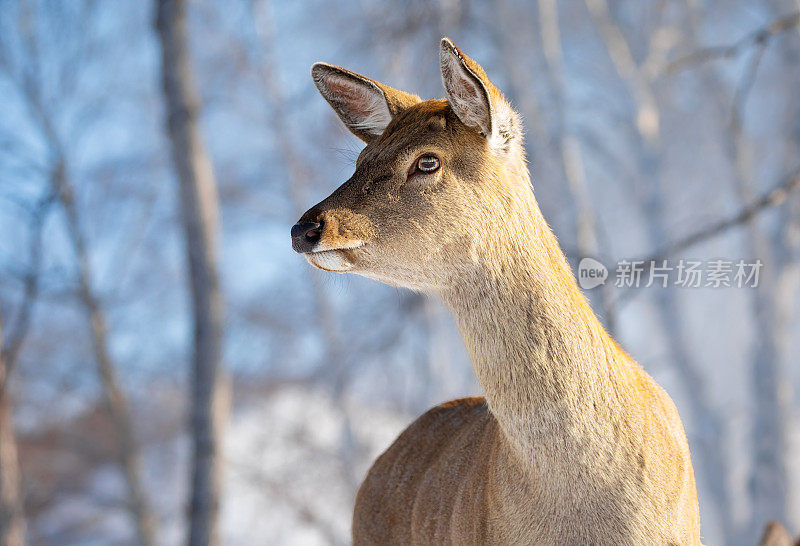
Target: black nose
305	235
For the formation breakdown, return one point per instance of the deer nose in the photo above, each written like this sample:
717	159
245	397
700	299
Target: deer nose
305	236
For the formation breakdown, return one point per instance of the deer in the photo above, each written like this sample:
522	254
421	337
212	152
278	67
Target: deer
572	442
775	534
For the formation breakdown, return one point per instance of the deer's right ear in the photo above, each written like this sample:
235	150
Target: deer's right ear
365	106
475	100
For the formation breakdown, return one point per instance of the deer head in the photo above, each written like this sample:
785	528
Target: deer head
434	179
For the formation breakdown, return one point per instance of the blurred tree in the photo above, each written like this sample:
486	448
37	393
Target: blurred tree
769	476
12	519
199	209
32	82
127	448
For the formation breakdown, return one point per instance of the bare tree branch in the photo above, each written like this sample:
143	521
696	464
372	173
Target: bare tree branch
774	197
743	90
17	332
758	37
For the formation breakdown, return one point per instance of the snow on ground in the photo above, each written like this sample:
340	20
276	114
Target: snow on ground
286	478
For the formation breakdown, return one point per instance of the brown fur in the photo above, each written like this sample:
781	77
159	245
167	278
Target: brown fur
575	443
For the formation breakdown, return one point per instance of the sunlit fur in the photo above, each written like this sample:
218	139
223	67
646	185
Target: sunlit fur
574	443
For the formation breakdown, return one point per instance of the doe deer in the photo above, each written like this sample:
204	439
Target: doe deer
574	443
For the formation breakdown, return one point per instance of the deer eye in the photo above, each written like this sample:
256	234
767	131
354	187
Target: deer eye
428	164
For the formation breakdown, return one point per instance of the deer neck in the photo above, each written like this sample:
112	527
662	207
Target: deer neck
552	376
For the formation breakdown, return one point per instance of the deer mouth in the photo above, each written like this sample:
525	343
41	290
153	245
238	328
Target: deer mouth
336	260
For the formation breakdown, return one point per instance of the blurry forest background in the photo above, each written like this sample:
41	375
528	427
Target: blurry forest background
647	122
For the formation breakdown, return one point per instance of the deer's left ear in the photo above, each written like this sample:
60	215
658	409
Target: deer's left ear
475	100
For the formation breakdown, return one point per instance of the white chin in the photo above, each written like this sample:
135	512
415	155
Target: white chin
329	260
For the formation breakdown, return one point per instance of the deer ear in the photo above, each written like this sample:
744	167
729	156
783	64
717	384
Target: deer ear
475	100
365	106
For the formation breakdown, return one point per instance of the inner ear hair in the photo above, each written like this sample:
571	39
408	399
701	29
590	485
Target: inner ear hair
364	105
475	100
